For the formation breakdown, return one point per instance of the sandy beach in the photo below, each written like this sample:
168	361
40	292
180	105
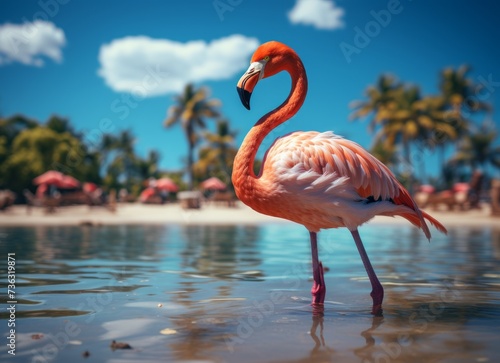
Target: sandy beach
217	215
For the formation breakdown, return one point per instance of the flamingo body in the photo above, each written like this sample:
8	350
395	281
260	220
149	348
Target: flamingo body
319	180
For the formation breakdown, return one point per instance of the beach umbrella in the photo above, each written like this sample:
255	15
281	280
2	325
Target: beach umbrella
51	177
68	182
58	179
213	183
166	184
461	187
427	188
89	187
146	194
41	190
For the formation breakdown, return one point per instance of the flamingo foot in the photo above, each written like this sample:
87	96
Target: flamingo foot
318	290
377	295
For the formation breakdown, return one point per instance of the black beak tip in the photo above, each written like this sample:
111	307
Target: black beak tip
244	97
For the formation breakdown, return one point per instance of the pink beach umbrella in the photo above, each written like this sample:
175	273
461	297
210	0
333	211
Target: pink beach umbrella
89	187
68	182
51	177
166	184
461	187
146	194
41	190
213	184
54	177
427	188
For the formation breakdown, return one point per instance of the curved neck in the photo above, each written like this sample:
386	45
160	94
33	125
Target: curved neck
244	161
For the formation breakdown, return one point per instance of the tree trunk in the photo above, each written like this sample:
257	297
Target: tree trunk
223	164
441	159
190	166
190	161
407	155
423	176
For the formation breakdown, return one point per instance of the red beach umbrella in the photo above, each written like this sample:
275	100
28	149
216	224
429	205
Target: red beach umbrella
426	188
166	184
54	177
41	190
461	187
146	194
51	177
68	182
89	187
213	184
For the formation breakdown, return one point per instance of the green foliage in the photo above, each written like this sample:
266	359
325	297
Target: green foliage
476	150
10	128
217	155
190	110
61	125
36	150
403	119
386	154
460	92
123	168
29	148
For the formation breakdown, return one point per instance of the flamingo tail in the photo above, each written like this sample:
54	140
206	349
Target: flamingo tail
435	222
418	221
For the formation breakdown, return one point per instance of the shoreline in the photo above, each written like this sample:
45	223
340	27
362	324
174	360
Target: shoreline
136	213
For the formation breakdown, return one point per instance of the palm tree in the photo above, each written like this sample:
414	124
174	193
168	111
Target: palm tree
397	117
461	98
380	97
449	127
459	90
402	117
62	125
477	149
397	114
406	121
148	168
216	158
190	110
123	166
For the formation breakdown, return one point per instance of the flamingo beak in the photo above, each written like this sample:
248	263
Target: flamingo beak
247	82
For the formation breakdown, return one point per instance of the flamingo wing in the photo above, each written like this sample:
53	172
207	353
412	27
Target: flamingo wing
325	165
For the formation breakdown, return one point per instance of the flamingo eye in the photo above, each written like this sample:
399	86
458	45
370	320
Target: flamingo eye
266	58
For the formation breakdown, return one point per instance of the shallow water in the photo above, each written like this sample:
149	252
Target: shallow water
241	294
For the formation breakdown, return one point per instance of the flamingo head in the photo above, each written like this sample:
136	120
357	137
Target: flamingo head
269	59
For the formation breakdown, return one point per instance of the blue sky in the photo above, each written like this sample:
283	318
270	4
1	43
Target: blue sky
112	65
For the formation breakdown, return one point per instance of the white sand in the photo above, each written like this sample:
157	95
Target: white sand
174	214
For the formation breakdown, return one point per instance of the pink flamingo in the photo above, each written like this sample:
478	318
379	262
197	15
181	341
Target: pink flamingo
319	180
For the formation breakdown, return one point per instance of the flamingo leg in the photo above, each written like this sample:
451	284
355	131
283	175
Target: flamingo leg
377	293
318	290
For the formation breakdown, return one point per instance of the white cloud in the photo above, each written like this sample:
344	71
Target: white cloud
27	43
150	67
322	14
